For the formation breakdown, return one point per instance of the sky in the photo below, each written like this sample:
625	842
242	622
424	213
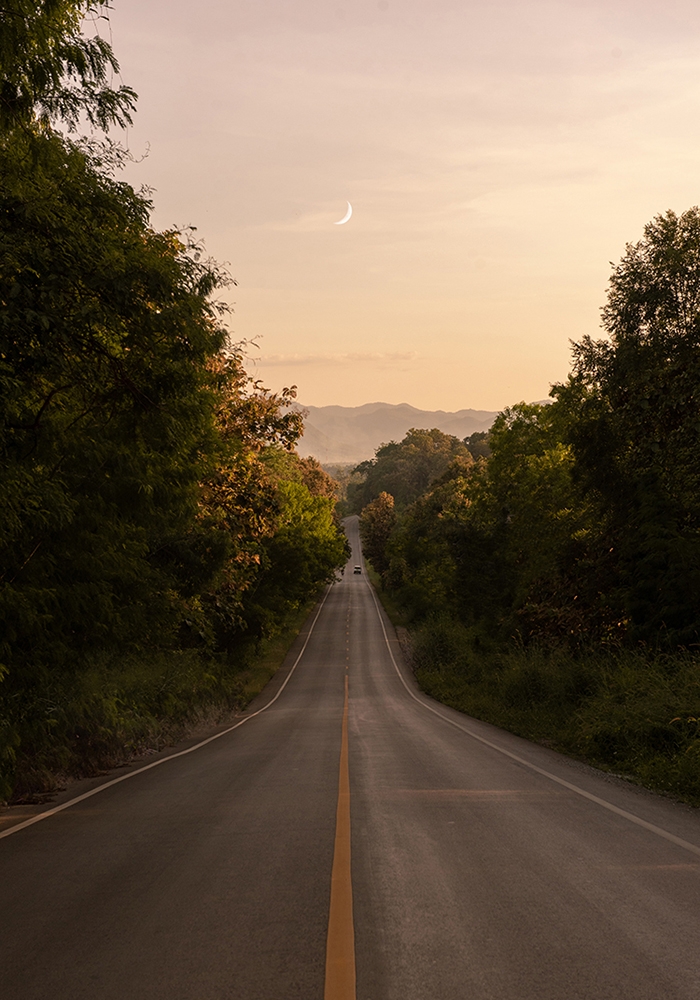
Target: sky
498	157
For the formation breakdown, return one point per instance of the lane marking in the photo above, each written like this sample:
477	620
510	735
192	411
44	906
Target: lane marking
489	794
340	945
637	820
164	760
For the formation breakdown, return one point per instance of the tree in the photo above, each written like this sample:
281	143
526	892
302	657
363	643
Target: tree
49	71
633	406
486	537
540	526
405	469
150	500
421	553
275	560
284	464
106	411
478	444
303	553
583	523
376	525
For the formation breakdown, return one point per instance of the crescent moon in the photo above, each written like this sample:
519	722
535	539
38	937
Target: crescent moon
345	218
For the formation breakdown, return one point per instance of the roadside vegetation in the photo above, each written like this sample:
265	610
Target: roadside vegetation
158	531
550	571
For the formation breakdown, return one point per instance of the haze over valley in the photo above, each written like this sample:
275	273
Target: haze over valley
352	434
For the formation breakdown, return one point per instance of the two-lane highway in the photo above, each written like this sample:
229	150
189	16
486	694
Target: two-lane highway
355	839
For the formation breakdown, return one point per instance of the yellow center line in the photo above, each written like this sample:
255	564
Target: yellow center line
340	945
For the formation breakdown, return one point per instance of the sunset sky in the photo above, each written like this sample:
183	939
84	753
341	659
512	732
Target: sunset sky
497	155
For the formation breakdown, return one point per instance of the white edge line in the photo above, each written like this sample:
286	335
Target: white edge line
686	845
164	760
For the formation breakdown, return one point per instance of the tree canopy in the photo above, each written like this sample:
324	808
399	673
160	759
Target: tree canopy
632	406
406	468
581	522
49	70
152	501
376	524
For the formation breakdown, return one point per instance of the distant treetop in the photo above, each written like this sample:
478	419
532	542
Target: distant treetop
405	469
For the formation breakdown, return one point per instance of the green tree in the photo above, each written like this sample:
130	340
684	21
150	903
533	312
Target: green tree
405	469
541	526
478	444
150	500
425	545
303	553
266	578
49	71
238	498
633	406
377	522
499	541
583	523
107	405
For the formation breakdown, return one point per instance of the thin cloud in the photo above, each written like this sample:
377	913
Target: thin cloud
362	357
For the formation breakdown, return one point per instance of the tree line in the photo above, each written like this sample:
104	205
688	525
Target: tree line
576	532
156	521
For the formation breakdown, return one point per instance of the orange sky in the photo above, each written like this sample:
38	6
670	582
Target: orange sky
498	155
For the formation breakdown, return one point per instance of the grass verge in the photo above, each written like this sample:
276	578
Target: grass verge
118	709
635	713
393	610
269	656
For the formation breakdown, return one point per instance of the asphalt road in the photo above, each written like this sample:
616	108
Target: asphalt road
482	866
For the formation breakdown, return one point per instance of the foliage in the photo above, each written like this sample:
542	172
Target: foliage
278	511
50	71
303	553
405	469
552	585
425	565
584	522
376	524
632	408
478	444
345	477
153	510
485	538
142	506
106	428
288	465
119	706
633	712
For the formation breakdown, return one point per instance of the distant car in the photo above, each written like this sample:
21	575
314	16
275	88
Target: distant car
358	569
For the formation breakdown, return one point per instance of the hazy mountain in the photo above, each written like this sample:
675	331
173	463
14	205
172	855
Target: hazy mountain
353	433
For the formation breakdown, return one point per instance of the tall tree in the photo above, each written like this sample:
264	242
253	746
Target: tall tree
634	424
107	403
138	512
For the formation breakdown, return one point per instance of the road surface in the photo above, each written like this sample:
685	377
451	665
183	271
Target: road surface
464	862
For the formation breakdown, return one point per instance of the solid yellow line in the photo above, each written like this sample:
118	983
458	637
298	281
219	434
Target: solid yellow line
340	946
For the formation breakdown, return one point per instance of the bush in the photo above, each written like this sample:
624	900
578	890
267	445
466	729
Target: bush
635	712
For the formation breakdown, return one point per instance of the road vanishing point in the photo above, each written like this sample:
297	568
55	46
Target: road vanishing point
348	838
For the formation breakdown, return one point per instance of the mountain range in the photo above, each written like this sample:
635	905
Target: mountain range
351	434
